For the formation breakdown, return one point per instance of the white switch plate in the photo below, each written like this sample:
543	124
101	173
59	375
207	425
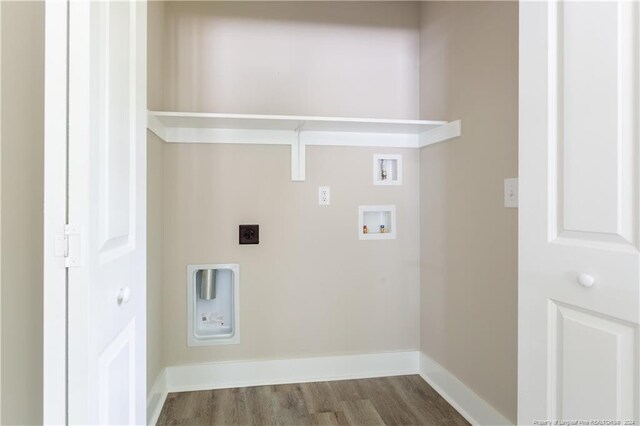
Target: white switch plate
511	193
324	196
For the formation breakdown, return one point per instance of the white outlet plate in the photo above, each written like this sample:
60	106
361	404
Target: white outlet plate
324	196
511	193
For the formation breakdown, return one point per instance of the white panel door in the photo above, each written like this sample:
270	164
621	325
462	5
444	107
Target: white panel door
579	278
107	211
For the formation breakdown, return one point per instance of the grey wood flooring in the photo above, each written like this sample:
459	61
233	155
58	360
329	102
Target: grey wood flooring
402	400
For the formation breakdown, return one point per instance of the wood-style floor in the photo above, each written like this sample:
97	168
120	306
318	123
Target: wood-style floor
402	400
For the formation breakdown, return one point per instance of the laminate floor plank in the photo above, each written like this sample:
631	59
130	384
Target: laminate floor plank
361	413
291	409
418	390
415	396
391	406
231	408
320	398
402	400
260	405
329	419
346	390
187	405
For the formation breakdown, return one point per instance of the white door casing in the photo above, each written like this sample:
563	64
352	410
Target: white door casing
55	215
107	208
579	242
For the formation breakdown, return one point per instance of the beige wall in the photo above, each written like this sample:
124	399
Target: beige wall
156	47
22	217
301	58
310	288
0	213
469	70
155	147
155	317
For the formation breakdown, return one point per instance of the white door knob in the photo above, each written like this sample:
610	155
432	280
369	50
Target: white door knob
585	280
124	295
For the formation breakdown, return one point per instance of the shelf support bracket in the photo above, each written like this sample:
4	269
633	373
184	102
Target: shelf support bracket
298	156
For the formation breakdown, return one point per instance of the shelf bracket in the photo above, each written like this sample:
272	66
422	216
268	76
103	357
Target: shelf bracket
298	156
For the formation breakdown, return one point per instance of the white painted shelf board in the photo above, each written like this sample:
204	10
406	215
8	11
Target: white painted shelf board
291	122
298	131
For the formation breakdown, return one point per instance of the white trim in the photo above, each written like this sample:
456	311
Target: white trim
156	398
298	159
441	134
156	126
183	127
464	400
0	206
297	132
235	374
280	137
290	121
222	136
223	375
362	139
79	135
55	201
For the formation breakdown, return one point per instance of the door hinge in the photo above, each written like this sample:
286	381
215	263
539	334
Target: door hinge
68	246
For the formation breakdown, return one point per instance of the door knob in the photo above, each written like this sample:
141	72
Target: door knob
585	280
124	295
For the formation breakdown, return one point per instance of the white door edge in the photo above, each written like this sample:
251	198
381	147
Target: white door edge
55	170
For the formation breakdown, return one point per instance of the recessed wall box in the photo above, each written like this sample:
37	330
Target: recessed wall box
387	169
377	222
213	303
249	234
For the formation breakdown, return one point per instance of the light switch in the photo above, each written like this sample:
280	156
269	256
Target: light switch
511	193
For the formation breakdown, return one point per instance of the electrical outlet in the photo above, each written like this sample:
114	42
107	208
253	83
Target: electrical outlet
324	196
249	234
511	193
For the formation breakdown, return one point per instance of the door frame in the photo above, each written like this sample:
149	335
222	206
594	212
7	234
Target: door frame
65	271
0	206
55	214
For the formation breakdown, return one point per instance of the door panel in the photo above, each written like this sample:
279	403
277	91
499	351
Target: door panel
116	80
587	348
578	218
587	69
592	63
107	202
116	382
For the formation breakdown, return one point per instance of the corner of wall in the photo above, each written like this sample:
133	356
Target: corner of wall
22	116
1	211
468	241
155	217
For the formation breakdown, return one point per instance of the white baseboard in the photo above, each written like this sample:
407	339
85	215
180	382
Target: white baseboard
156	398
464	400
223	375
